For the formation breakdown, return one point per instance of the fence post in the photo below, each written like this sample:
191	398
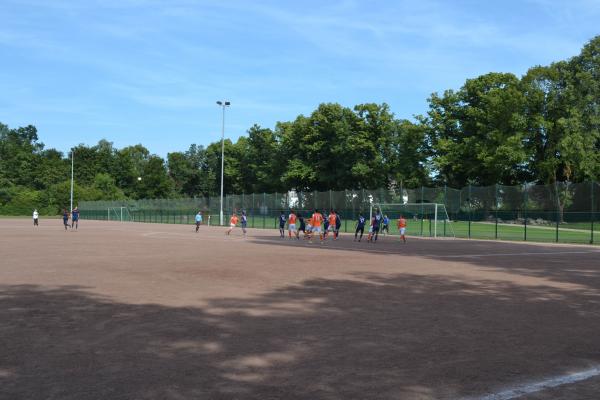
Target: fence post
496	207
264	207
525	194
557	209
422	209
469	200
253	212
592	213
445	206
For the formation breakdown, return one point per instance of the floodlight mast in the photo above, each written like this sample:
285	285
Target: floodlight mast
72	162
222	104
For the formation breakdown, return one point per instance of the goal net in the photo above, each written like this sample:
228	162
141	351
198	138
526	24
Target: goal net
118	214
422	219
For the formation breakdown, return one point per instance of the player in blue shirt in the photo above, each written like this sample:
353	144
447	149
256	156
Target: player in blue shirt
377	220
75	218
302	227
282	221
385	227
65	218
360	227
244	222
198	220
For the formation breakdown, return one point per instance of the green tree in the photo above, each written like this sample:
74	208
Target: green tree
155	182
478	133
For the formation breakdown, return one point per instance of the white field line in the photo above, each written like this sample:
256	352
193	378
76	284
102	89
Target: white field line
533	253
548	383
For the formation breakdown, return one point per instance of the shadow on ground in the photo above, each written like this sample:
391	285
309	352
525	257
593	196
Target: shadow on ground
384	337
562	264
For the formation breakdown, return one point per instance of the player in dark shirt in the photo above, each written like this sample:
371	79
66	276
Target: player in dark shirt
65	218
282	221
75	218
301	227
377	220
360	227
338	225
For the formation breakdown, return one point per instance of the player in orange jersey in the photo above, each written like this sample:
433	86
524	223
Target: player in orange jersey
232	223
331	223
292	224
317	221
402	228
370	236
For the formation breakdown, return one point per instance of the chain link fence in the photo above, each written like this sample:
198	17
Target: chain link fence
562	212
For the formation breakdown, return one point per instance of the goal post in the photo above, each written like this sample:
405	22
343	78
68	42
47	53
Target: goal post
118	214
423	219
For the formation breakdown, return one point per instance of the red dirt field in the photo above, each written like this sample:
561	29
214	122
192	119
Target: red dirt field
150	311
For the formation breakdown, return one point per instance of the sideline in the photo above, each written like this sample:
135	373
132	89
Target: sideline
533	387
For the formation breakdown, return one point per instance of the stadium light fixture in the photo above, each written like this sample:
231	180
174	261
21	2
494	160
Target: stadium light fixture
222	104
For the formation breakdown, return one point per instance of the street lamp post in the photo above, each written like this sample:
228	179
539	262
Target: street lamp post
72	158
222	104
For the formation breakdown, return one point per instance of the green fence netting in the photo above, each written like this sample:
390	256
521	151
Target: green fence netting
562	212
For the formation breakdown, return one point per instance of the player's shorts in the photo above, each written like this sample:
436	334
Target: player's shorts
75	218
370	229
292	227
316	229
309	228
331	228
402	230
232	225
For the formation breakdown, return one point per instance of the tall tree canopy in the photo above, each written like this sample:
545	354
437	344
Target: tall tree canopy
496	128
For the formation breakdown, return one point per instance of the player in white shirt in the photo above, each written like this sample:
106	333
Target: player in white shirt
36	217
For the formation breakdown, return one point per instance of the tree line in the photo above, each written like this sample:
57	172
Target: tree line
497	128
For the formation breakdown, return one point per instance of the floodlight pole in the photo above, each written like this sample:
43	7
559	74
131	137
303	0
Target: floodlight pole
72	157
222	104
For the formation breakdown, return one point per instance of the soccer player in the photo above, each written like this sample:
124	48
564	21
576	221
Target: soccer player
402	228
302	227
282	221
36	216
65	218
385	227
377	219
317	220
330	223
291	224
75	218
232	223
244	222
198	220
370	236
338	225
308	233
360	227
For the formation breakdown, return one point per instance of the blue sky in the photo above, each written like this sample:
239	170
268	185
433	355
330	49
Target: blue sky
144	71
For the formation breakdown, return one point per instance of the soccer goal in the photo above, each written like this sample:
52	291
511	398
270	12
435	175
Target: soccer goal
118	214
423	219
